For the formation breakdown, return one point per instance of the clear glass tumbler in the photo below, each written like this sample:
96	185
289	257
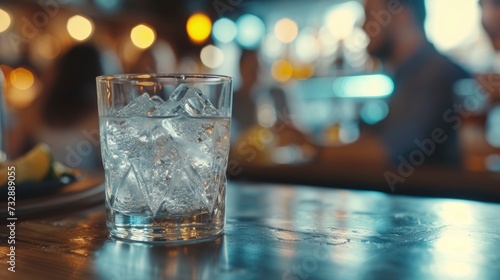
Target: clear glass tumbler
165	146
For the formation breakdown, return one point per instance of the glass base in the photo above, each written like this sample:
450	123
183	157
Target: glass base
171	229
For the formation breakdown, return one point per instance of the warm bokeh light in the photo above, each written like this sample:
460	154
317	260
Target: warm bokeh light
20	99
199	27
224	30
282	70
5	20
22	78
211	56
143	36
251	31
450	30
48	46
342	19
20	87
303	72
79	27
286	30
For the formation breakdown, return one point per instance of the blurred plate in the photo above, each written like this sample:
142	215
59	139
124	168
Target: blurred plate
79	194
38	189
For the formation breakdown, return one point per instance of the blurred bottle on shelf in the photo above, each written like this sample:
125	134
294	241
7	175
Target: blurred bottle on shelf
273	138
479	123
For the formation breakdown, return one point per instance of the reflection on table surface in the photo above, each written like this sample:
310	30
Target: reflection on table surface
279	232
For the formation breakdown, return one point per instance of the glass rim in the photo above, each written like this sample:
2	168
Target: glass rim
144	76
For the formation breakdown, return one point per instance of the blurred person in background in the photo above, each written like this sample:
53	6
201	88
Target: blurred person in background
69	121
245	97
422	120
261	119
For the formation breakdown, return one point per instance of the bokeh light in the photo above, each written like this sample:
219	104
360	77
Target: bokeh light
108	5
22	78
232	53
272	48
307	48
20	99
20	90
286	30
266	115
224	30
358	40
493	163
493	127
198	27
374	111
448	30
211	56
48	46
251	31
166	61
303	72
5	20
349	132
342	19
363	86
329	44
142	36
79	27
282	71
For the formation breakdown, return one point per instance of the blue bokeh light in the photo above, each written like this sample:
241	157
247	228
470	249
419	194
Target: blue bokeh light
493	127
374	112
363	86
224	30
251	31
108	5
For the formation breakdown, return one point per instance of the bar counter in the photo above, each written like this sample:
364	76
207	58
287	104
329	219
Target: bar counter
276	231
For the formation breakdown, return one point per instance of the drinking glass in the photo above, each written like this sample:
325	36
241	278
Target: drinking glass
165	145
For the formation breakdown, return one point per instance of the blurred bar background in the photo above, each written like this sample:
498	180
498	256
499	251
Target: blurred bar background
314	52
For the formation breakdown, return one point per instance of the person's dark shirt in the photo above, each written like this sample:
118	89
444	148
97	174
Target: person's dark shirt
421	104
244	111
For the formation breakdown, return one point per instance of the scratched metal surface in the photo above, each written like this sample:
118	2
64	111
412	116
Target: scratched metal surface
279	232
